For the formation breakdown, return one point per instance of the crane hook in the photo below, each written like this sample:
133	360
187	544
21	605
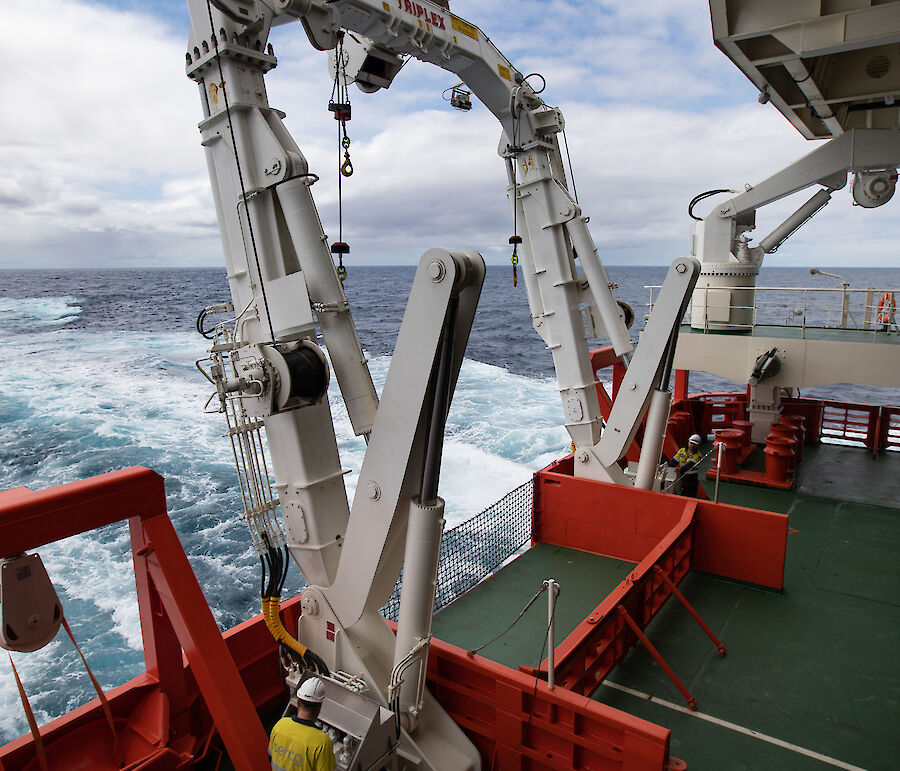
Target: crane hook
515	241
347	166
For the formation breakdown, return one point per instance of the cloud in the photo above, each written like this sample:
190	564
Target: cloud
100	162
102	139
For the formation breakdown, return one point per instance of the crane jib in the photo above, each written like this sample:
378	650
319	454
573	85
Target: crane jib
422	13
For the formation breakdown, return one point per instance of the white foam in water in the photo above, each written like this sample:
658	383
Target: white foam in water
42	311
105	400
501	428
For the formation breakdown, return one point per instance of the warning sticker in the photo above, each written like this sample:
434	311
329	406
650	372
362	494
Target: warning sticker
504	72
463	26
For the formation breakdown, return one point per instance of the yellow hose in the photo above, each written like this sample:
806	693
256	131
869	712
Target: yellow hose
273	621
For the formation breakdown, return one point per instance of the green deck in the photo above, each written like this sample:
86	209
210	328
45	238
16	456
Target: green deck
816	667
485	611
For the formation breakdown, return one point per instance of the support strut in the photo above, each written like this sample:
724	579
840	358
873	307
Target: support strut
691	701
720	646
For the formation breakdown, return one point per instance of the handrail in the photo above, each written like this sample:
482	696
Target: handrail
858	308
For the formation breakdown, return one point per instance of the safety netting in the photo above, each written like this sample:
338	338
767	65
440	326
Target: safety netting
473	550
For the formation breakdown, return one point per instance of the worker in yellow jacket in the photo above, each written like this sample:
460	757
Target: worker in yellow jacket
295	743
687	459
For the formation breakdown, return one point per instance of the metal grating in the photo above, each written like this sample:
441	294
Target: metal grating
476	548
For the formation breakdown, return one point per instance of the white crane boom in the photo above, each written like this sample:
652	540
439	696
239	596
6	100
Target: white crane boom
284	287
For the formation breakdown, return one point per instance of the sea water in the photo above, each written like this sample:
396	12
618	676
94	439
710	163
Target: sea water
98	374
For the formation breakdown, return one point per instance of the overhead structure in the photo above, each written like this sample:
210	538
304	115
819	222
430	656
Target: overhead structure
827	66
270	374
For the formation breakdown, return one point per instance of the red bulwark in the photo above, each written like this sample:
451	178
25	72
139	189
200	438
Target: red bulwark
518	723
666	535
622	522
152	713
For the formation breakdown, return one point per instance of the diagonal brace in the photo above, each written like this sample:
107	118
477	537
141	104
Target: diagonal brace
720	646
691	701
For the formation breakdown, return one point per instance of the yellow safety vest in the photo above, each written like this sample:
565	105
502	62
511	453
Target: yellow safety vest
296	745
684	455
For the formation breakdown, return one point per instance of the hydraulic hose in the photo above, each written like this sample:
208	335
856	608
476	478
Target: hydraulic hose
273	622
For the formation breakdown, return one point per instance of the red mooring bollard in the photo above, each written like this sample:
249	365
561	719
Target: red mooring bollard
790	431
746	426
799	422
733	439
779	453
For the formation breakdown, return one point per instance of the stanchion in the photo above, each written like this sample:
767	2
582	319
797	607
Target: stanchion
552	592
721	446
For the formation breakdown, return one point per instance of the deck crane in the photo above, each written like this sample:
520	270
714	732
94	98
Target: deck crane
724	297
823	68
269	372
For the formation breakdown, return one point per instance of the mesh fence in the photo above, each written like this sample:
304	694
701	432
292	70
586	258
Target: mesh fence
476	548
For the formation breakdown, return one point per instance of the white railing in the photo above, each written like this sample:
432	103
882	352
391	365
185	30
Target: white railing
802	308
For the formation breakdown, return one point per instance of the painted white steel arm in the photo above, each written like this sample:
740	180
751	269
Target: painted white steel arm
281	276
827	165
392	469
550	222
717	236
643	374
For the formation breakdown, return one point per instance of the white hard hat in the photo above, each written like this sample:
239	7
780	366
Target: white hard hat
312	690
695	439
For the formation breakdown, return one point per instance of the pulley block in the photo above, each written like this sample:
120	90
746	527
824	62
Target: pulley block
341	110
30	611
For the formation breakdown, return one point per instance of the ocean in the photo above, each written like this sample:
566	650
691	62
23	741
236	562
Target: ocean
98	374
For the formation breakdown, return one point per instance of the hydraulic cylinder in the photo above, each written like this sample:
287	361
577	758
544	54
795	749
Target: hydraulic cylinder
420	563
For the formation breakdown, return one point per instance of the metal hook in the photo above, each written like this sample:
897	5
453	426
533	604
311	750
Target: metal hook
347	166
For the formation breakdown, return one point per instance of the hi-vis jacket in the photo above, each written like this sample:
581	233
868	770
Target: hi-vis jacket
684	455
297	745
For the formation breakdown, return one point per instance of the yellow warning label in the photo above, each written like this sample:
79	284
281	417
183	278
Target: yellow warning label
504	72
386	6
463	26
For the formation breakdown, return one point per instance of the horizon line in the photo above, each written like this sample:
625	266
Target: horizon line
414	265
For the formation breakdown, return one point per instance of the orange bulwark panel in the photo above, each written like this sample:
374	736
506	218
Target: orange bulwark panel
743	544
601	518
730	541
666	535
519	724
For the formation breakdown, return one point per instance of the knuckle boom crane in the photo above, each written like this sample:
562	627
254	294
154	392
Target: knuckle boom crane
270	374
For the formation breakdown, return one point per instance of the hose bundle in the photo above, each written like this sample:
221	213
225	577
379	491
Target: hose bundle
275	563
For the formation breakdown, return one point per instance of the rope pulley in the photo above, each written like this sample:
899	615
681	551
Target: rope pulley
341	110
515	241
340	249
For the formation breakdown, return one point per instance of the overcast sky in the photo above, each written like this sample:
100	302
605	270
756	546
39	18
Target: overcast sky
100	161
